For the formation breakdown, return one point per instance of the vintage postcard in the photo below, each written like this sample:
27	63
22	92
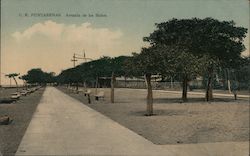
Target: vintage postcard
124	77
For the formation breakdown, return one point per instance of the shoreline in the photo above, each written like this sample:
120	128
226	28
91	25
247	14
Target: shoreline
21	111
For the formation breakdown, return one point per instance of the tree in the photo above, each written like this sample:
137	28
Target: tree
13	75
187	66
49	77
117	69
93	70
242	73
23	77
37	76
105	67
142	65
152	60
70	76
220	40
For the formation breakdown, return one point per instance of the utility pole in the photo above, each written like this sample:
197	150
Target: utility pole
84	56
78	56
74	60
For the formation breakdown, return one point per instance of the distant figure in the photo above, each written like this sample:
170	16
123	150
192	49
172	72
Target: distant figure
234	88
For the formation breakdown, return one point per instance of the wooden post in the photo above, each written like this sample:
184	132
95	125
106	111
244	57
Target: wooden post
96	85
112	87
228	81
125	85
235	95
89	101
171	83
77	87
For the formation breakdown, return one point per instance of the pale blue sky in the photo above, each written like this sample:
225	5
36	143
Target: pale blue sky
132	16
126	23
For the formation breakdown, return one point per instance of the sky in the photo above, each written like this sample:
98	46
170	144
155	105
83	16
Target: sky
49	42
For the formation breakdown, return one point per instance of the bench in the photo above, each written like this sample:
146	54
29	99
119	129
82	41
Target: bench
15	96
24	92
81	90
29	91
78	91
87	92
99	95
33	90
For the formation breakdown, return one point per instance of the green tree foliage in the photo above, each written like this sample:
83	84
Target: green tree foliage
220	40
157	59
147	63
97	68
13	76
37	76
103	67
93	70
242	73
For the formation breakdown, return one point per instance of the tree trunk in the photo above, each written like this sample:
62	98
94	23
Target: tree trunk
229	86
125	85
228	81
209	90
171	83
16	84
96	85
89	100
77	86
137	83
149	95
84	86
112	88
184	88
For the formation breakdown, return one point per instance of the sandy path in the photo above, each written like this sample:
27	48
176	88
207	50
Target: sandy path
63	126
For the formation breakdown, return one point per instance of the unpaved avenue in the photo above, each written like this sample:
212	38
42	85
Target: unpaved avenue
62	125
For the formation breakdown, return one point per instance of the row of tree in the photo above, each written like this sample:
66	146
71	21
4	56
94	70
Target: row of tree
37	76
91	71
190	47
